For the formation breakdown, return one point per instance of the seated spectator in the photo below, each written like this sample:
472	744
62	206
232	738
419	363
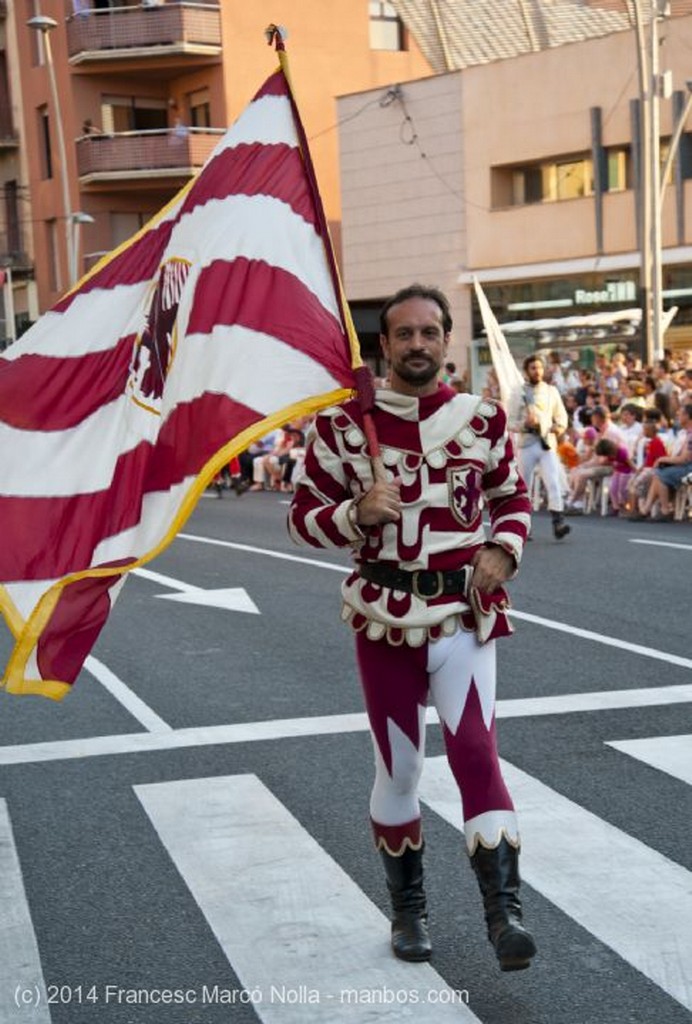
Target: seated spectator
629	425
254	451
650	448
600	419
579	476
669	472
268	469
617	458
292	460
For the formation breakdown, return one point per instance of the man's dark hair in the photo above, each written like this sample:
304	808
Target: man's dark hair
600	410
634	409
418	291
653	415
605	447
534	358
688	409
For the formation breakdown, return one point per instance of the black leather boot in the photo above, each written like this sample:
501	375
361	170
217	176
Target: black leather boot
560	527
497	871
410	939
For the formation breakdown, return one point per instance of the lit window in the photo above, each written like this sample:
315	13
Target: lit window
619	170
573	179
386	27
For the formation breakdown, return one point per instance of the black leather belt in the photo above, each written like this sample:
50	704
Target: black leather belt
424	583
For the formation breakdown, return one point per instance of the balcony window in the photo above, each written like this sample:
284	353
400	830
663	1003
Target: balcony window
386	27
200	108
133	114
125	225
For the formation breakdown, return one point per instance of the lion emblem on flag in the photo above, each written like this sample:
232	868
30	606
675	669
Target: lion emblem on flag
465	493
154	347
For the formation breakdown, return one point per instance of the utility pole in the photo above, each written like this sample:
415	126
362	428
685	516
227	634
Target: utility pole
644	77
653	86
660	8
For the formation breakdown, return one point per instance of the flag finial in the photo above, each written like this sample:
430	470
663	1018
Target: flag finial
276	34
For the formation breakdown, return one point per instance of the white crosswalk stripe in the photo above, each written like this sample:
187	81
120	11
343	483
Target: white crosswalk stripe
296	929
22	993
625	893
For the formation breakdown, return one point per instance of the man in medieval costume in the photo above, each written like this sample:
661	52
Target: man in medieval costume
426	602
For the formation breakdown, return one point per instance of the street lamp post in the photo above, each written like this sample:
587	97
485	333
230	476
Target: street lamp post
45	25
78	219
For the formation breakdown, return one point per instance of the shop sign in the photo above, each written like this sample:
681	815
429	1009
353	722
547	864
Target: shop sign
614	291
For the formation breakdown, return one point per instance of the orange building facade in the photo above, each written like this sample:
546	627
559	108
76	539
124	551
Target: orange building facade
142	93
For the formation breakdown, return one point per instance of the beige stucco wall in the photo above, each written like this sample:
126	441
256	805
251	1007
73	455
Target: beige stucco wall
530	108
403	211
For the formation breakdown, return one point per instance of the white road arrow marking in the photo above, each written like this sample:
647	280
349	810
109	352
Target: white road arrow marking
234	599
671	754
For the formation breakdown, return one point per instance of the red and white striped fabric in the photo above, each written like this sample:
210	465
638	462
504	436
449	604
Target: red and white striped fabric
219	321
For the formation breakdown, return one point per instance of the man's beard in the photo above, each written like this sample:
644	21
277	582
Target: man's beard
417	376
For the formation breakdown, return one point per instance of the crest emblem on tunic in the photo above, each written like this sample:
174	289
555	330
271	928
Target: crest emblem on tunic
154	348
464	493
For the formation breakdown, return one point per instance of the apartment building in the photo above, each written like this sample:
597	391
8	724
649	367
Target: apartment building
142	93
527	173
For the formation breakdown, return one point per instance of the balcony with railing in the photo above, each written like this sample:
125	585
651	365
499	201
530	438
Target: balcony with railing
130	37
9	139
133	157
12	253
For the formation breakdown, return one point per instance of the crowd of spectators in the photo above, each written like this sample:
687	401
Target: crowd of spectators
270	464
630	432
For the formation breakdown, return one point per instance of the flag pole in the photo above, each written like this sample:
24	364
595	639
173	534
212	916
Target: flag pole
365	387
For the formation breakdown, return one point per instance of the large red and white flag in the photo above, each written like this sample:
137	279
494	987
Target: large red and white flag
219	321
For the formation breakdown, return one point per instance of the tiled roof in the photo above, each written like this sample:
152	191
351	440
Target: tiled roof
459	33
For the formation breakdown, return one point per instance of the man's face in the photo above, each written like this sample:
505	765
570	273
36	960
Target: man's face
535	371
415	345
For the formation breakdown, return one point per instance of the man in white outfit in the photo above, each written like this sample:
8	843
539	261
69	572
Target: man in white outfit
541	418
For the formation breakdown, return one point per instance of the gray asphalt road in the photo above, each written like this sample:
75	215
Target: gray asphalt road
121	902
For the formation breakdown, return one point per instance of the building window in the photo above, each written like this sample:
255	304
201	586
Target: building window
53	250
619	169
45	155
386	27
200	108
133	113
125	225
551	181
573	179
13	242
527	186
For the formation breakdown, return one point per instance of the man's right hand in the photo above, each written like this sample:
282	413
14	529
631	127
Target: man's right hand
381	504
